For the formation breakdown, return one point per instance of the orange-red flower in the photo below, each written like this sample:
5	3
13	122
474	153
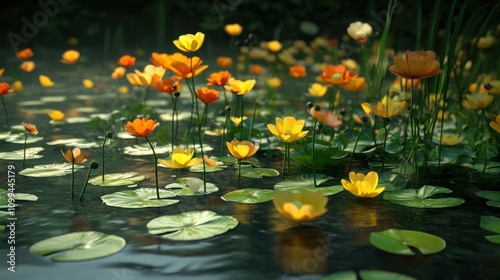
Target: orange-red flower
168	85
416	65
356	84
126	60
256	69
337	75
31	129
70	57
164	60
187	68
141	127
5	88
329	118
24	54
207	95
224	61
298	71
218	78
75	156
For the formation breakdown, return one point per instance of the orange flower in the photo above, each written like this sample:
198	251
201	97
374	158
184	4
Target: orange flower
5	88
1	71
224	61
241	150
168	85
45	81
274	46
329	118
28	66
141	127
76	156
256	69
356	84
234	29
126	61
119	72
298	71
70	57
31	129
337	75
187	68
218	79
416	65
24	54
207	95
159	59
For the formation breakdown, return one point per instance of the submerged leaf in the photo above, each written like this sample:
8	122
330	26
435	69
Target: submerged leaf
397	241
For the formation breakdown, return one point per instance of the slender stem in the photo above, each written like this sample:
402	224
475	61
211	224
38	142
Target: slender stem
415	132
253	119
356	145
24	156
102	156
86	182
224	134
284	160
72	173
5	110
174	111
313	143
240	103
156	168
225	96
288	158
239	172
145	97
383	148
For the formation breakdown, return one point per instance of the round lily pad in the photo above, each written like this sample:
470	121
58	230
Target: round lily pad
50	170
76	142
493	196
79	246
250	195
31	153
199	167
4	197
145	149
117	179
397	241
300	182
18	138
419	198
341	275
250	172
139	198
383	275
189	226
191	186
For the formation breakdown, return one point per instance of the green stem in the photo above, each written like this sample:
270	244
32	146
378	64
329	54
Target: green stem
288	158
5	110
239	172
102	157
383	148
313	143
145	97
86	183
240	104
156	168
72	173
224	134
253	119
284	160
173	121
24	156
355	145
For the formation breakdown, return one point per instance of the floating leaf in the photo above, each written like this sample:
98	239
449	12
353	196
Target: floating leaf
194	225
397	241
76	142
139	198
145	149
199	167
78	120
492	203
18	138
493	196
490	223
190	186
301	182
392	181
2	228
341	275
31	153
231	160
383	275
79	246
124	135
55	99
331	190
248	171
4	198
493	238
251	195
418	198
50	170
4	214
117	179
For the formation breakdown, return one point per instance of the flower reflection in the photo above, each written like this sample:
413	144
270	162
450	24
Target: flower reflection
302	250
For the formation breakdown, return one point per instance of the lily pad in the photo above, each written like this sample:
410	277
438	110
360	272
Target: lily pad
76	142
117	179
2	228
397	241
78	120
139	198
492	203
392	181
50	170
190	186
4	135
4	214
248	171
491	223
231	160
368	275
189	226
18	138
418	198
493	196
341	275
31	153
145	150
250	195
124	135
79	246
199	167
4	197
301	182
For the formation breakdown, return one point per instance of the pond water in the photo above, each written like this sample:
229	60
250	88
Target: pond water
264	245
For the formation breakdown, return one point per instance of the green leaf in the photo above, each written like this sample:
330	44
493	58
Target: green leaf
190	186
398	241
78	120
382	275
117	179
4	135
490	223
491	195
341	275
50	170
248	171
331	190
17	196
145	149
18	138
81	143
250	195
418	198
139	198
392	181
79	246
492	203
199	167
31	153
231	160
189	226
493	239
2	228
4	214
297	183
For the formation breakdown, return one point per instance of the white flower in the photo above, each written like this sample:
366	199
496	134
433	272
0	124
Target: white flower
359	30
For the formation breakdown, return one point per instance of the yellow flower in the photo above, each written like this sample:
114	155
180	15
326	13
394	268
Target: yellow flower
190	42
45	81
274	82
150	77
357	84
361	185
317	90
304	206
477	100
274	46
387	108
17	86
70	57
237	120
485	42
28	66
87	83
496	124
289	129
234	29
241	150
451	139
123	90
239	87
350	64
181	158
495	87
56	115
119	72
